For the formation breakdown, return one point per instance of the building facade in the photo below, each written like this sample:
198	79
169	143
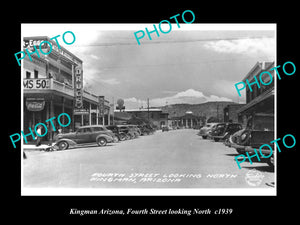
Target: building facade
260	100
189	120
50	87
231	115
156	116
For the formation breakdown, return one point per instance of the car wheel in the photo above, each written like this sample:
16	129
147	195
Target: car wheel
122	137
63	145
204	137
216	139
101	141
116	139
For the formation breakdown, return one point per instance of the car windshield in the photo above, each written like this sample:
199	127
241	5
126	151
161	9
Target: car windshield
234	126
219	126
95	129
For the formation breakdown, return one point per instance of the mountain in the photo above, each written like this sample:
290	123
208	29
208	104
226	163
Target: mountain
207	109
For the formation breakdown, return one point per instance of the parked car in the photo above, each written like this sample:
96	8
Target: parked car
164	128
203	132
259	131
145	129
130	133
213	128
85	134
117	131
224	130
135	129
232	141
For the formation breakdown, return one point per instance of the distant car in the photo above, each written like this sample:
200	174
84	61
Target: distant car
130	132
146	129
259	131
135	129
204	131
85	134
117	131
224	130
164	128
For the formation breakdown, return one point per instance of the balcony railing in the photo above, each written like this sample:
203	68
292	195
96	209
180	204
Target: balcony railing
51	84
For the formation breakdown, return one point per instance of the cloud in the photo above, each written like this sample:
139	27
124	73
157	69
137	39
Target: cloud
248	45
189	96
110	81
94	57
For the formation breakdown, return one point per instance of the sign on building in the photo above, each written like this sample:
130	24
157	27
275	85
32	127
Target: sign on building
101	106
78	89
36	84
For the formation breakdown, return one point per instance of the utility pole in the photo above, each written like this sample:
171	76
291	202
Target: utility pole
113	115
148	109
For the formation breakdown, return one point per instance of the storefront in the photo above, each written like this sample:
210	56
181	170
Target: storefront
260	100
187	121
51	86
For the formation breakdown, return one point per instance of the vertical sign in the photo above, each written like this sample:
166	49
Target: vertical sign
101	106
78	87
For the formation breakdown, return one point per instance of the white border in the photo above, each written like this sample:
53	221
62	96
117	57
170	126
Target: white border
155	191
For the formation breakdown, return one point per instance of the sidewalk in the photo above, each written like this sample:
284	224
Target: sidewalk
32	146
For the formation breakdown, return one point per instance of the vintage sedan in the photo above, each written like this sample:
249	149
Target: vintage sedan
117	131
259	131
85	134
130	132
204	131
224	130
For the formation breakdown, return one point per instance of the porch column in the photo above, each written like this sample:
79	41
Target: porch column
108	119
90	115
97	115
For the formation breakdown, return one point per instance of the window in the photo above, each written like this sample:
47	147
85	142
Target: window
36	74
95	129
84	130
28	75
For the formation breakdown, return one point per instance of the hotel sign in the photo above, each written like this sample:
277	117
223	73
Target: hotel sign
36	84
101	105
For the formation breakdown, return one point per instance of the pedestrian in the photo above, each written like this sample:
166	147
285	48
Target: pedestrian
38	138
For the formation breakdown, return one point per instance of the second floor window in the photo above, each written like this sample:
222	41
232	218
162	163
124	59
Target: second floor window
36	74
28	75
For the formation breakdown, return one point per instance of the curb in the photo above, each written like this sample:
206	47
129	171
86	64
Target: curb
37	148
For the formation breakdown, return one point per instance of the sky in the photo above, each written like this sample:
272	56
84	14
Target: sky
192	64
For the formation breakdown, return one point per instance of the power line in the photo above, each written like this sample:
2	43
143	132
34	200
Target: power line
177	64
168	42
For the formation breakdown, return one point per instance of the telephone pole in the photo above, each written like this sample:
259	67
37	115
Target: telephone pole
148	109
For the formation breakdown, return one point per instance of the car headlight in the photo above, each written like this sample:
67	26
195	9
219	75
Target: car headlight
243	137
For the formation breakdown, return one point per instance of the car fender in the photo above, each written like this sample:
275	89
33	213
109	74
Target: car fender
70	142
107	137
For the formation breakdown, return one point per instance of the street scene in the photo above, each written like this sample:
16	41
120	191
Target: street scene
174	159
108	113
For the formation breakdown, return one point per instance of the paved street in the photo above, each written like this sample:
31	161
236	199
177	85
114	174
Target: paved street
174	159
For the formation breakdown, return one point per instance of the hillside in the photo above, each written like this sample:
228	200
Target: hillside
207	109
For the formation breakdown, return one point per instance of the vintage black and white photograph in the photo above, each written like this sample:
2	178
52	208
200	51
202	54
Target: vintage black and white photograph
148	109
